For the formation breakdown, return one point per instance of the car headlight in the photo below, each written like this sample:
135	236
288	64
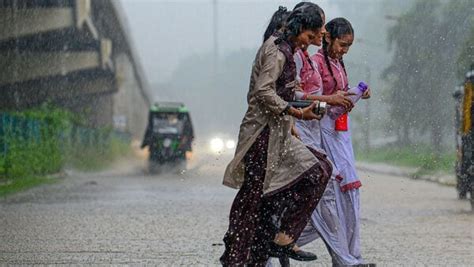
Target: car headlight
230	144
217	145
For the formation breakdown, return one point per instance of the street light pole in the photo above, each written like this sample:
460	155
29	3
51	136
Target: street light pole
215	52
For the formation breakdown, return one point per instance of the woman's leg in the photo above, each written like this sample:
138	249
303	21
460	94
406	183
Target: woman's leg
309	234
286	213
323	221
242	221
245	216
265	231
283	219
304	197
331	221
353	224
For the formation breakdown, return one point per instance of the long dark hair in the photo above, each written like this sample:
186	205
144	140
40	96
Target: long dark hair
305	17
304	4
336	28
276	22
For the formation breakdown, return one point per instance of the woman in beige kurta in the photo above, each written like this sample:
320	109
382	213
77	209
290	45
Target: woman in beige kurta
280	179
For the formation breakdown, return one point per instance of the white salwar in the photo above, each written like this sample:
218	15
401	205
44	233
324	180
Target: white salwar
336	218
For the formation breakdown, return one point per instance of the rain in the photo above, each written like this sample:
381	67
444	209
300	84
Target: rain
130	130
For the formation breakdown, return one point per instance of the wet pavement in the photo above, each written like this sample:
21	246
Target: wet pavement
124	216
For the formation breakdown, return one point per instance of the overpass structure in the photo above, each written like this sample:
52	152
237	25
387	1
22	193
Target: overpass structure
75	53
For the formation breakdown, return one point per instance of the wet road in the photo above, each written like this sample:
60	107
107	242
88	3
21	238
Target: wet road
123	216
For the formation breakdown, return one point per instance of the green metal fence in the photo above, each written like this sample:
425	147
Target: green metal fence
19	134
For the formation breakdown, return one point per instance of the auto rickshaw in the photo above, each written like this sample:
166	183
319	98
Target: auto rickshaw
169	136
464	96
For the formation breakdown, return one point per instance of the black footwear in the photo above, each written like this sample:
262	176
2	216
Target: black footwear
366	265
278	251
301	255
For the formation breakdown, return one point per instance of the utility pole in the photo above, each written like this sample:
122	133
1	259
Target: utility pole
215	52
215	59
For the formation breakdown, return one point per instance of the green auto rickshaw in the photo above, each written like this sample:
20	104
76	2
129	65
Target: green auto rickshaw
169	136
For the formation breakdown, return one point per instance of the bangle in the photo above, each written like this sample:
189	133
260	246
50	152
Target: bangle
301	113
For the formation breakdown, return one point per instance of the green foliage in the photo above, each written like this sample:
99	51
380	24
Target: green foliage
28	158
423	157
427	42
466	58
56	118
43	140
31	138
91	158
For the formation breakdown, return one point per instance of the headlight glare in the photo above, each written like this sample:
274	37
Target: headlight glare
230	144
217	145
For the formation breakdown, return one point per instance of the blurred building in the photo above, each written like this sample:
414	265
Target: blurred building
76	54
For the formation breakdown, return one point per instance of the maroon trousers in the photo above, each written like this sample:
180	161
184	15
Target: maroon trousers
256	218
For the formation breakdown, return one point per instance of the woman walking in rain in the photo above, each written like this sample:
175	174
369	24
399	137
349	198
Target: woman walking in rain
280	179
336	218
310	87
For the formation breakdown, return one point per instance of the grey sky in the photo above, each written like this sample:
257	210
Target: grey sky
167	31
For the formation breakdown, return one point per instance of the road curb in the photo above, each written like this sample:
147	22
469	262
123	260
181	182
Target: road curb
412	173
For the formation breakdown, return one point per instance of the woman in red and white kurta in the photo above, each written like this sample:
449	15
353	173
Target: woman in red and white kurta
337	215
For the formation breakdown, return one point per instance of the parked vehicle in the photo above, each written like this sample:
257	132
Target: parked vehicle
464	96
169	136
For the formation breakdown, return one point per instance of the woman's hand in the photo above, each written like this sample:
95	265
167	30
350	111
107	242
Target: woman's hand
307	112
340	98
366	94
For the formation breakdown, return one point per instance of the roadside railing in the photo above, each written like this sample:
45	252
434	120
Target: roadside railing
34	146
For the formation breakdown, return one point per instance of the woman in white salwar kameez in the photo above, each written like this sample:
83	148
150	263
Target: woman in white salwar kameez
327	220
336	218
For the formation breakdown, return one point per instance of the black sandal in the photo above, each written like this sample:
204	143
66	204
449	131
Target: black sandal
278	251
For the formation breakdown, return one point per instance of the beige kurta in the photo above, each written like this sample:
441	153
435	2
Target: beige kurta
288	157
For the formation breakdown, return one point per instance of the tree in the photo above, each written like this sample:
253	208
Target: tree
466	58
427	41
405	72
